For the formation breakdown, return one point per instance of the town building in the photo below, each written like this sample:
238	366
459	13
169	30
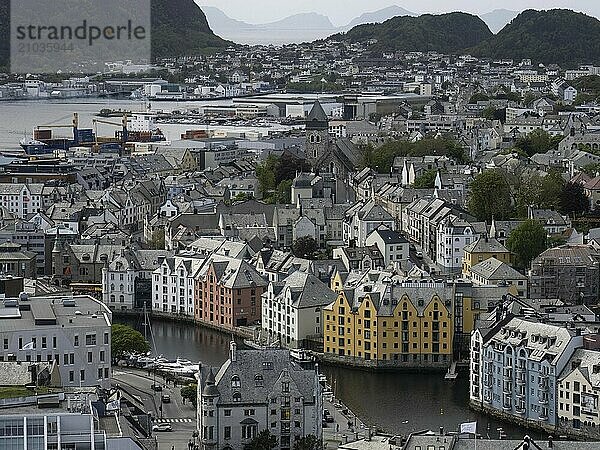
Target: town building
578	391
227	293
568	272
515	369
256	390
392	245
484	248
292	310
72	332
495	272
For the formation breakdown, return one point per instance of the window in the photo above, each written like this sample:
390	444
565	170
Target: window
235	381
76	341
258	381
90	357
227	433
237	397
90	339
82	374
227	413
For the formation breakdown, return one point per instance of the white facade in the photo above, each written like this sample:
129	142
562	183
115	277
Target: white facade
173	286
453	234
118	284
291	310
21	199
76	335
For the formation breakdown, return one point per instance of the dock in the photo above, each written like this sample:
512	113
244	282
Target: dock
452	374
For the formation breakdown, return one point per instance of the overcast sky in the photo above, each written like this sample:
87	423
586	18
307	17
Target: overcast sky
342	11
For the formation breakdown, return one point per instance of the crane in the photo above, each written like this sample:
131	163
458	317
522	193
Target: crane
123	124
74	125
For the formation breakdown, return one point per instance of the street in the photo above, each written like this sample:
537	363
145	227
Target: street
180	416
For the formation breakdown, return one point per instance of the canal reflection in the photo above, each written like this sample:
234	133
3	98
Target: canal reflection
395	402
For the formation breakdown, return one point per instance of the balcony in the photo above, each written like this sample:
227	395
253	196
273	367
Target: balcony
543	416
506	406
520	409
520	394
487	399
507	388
543	400
520	379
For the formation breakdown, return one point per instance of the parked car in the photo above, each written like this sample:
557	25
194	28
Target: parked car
162	427
156	387
327	417
166	398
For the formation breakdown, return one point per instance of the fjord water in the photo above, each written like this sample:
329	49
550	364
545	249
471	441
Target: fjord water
394	402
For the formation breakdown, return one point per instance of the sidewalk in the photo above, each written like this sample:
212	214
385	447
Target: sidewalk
346	427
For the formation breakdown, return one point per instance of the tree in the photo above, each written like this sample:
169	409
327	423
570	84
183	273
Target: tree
263	441
309	442
573	199
538	141
265	172
190	393
304	247
125	339
158	240
478	97
527	241
426	180
490	196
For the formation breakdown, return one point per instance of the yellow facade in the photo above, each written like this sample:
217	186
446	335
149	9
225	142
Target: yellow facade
472	258
409	333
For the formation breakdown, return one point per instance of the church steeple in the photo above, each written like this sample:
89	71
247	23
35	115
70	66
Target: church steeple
317	135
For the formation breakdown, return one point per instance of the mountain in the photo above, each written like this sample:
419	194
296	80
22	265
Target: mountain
558	36
179	27
301	27
308	21
498	18
443	33
379	16
4	35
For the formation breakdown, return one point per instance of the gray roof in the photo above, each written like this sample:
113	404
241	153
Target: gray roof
493	269
307	291
270	365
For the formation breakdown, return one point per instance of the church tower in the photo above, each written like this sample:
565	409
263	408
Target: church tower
317	135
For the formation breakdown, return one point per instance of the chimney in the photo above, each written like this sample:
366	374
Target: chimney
441	431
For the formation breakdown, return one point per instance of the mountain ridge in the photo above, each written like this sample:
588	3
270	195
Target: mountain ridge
559	36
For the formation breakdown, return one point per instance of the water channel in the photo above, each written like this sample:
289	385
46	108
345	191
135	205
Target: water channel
392	401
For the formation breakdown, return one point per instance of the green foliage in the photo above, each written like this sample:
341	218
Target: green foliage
527	241
179	27
591	169
190	393
275	176
540	192
426	180
382	158
443	33
538	141
490	196
304	247
158	240
240	198
309	442
262	441
573	200
478	97
314	86
125	339
558	36
491	113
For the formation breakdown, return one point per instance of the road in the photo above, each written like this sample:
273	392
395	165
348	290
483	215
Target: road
181	416
346	427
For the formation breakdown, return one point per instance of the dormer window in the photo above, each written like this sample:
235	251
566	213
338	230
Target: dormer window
237	397
258	381
235	381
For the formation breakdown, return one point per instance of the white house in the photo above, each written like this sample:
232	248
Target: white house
173	285
291	309
392	245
